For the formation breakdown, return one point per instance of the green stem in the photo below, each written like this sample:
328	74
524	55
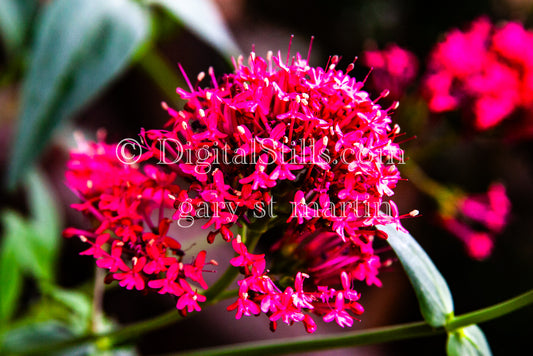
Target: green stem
492	312
315	343
161	72
372	336
422	181
446	198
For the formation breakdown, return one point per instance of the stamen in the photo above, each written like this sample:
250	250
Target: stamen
382	95
289	50
269	60
211	72
368	74
186	77
309	52
200	76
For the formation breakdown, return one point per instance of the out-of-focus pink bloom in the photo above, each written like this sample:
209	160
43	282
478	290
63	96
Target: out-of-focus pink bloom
490	209
486	72
478	219
478	245
393	68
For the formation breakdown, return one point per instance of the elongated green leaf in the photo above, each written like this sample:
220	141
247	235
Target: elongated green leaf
10	277
45	217
434	297
469	341
81	45
203	18
15	22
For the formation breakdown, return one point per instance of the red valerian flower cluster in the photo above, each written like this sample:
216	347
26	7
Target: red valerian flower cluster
304	149
486	72
489	211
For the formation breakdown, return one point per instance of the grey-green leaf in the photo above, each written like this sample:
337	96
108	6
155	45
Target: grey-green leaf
15	22
203	18
10	277
434	297
80	47
469	341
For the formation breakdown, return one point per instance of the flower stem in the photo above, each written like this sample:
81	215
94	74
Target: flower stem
372	336
422	181
315	343
492	312
98	296
160	71
445	197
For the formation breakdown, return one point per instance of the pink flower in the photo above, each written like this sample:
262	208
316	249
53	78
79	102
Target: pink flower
168	284
393	68
244	305
490	209
489	212
132	278
245	259
478	245
339	314
194	271
189	299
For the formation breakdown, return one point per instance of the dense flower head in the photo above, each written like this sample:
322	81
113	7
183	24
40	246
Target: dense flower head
275	145
485	71
479	217
393	68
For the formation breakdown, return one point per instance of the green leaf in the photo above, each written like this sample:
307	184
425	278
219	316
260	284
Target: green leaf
29	254
15	22
45	217
203	18
36	239
10	277
434	297
469	341
80	47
